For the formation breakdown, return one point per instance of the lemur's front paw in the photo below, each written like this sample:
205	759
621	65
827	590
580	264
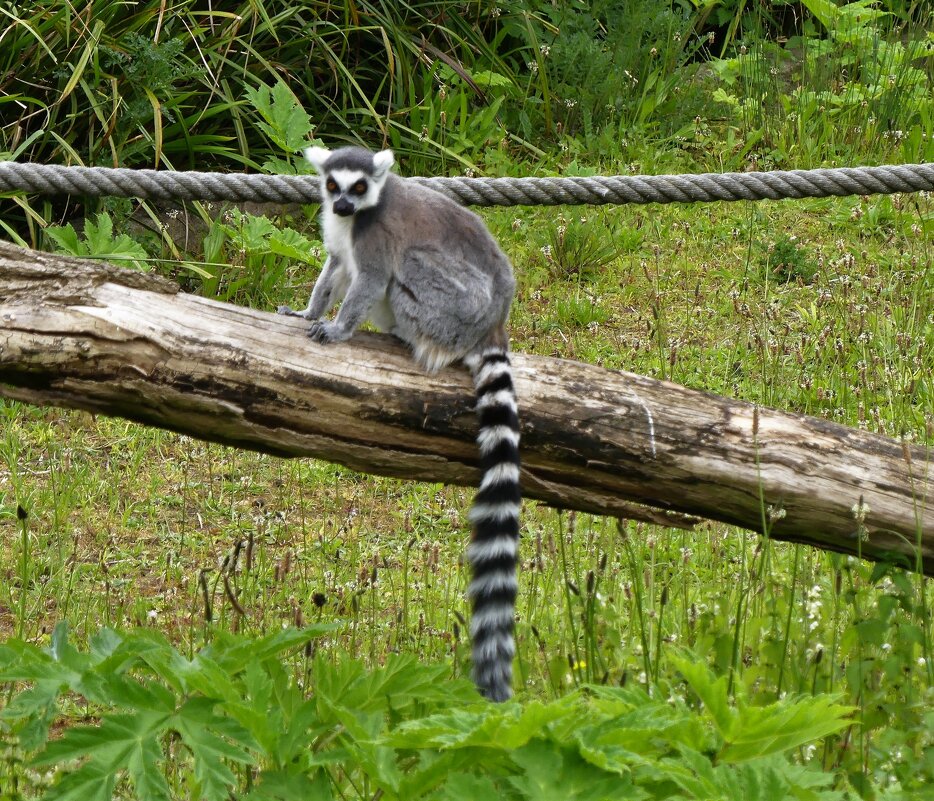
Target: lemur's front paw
322	332
288	310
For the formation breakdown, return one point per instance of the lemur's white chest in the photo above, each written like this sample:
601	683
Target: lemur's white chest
338	240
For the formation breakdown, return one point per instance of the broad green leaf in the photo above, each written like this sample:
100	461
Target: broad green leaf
63	652
712	692
121	743
145	771
261	723
692	772
765	779
91	782
456	729
332	755
379	763
768	782
196	723
490	78
760	731
639	737
360	725
99	236
66	238
613	701
504	727
276	166
235	653
825	11
467	787
401	681
362	738
551	773
333	680
110	744
809	782
102	644
258	711
434	768
517	725
250	231
202	674
294	735
99	242
280	785
35	709
291	244
286	123
33	700
130	692
200	712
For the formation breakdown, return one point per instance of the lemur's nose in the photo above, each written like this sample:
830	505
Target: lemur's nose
343	207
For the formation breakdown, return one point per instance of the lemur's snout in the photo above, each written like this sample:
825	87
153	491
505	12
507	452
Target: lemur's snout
343	207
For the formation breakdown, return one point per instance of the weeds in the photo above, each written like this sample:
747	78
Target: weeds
787	260
863	87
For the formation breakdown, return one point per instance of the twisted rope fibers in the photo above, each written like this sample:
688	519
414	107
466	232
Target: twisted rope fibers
45	179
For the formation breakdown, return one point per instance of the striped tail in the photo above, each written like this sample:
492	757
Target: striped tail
493	550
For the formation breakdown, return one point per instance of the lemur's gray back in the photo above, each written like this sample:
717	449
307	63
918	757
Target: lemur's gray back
450	285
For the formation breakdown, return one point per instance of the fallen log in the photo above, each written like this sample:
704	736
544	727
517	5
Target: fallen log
91	336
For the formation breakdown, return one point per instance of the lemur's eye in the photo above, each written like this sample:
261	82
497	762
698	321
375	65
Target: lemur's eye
359	188
331	185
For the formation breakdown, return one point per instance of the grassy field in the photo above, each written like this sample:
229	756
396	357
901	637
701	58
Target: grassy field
823	307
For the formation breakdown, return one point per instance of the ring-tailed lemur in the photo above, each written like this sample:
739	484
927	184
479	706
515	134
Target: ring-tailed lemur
420	266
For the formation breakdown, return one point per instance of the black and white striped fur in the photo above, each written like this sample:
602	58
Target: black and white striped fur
493	550
422	267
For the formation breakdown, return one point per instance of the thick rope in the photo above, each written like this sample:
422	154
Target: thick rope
46	179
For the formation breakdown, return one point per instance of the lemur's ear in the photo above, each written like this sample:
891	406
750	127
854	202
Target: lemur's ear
382	161
317	156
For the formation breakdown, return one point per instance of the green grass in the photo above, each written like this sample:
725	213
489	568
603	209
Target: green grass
130	527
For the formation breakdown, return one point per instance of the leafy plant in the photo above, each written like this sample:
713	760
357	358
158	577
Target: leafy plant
249	255
234	718
853	76
786	259
748	732
579	311
218	705
150	74
284	121
614	64
578	248
98	242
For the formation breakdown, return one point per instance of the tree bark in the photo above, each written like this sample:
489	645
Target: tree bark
91	336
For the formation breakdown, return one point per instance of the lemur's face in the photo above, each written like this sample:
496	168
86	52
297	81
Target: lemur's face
350	191
351	178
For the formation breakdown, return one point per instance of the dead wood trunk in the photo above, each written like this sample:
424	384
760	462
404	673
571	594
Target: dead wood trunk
95	337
